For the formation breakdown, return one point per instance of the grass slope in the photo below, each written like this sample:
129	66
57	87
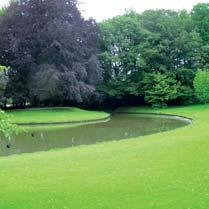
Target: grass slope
54	115
168	170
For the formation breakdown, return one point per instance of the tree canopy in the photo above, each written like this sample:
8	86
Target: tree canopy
159	43
51	51
55	56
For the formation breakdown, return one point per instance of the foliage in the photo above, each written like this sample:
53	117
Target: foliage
118	89
172	43
155	42
3	68
200	16
46	84
6	127
121	37
159	40
159	89
59	58
2	11
186	90
3	84
201	85
185	95
49	37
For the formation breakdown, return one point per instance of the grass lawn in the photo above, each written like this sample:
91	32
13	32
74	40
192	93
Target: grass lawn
167	170
54	115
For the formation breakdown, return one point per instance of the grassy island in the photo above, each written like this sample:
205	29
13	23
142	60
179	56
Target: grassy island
54	115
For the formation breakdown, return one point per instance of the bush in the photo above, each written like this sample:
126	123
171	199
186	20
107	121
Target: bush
159	89
186	95
201	86
7	128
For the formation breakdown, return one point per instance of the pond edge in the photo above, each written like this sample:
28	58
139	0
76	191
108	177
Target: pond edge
104	119
179	117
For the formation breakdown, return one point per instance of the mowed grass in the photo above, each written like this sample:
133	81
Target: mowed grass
54	115
167	170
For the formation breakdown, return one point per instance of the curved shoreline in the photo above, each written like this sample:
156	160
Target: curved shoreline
190	120
67	122
107	118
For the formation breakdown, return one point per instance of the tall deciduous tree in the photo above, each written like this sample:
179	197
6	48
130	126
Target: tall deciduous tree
48	42
156	41
200	16
120	44
173	43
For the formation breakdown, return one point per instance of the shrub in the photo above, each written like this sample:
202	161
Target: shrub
201	86
159	89
6	127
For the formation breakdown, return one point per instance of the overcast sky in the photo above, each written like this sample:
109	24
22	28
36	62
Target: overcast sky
103	9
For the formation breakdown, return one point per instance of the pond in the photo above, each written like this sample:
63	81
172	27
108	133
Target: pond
120	126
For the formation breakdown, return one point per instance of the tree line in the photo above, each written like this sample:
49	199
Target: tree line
53	56
153	57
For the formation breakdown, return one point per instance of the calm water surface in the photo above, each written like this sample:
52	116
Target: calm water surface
121	126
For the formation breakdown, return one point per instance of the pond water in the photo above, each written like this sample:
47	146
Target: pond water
120	126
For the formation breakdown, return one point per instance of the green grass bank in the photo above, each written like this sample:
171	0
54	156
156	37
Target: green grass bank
167	170
54	115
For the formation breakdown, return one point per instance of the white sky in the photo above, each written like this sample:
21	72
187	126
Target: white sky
103	9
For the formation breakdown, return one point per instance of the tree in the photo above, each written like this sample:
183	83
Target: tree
119	89
200	17
42	37
201	85
186	90
159	89
6	127
172	43
120	41
46	84
121	38
156	41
